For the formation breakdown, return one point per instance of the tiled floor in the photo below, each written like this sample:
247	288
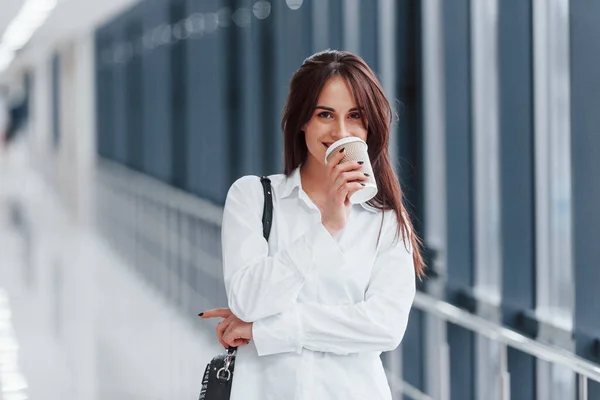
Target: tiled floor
84	325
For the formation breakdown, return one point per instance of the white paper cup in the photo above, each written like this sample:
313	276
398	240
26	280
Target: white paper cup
355	149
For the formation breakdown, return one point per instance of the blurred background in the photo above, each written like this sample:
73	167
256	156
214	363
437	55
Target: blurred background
124	123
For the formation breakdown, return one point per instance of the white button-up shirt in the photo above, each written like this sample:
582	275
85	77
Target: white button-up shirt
323	308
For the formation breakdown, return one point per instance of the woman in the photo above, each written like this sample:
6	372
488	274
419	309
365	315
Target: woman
312	310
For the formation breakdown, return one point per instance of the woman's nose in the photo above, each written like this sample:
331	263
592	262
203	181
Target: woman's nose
340	131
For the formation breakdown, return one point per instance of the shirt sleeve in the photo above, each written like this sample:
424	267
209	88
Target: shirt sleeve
259	285
376	324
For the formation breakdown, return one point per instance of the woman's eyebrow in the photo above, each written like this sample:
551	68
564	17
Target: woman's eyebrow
325	108
332	110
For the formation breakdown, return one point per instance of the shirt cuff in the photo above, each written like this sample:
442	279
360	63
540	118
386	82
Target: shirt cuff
315	249
280	333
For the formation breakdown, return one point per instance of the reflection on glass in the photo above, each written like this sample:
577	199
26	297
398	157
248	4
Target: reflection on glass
242	17
165	36
195	24
211	22
224	17
180	31
294	4
261	9
147	40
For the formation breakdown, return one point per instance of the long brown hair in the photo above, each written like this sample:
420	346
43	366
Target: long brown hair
305	87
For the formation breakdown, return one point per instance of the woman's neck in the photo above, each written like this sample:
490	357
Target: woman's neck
312	176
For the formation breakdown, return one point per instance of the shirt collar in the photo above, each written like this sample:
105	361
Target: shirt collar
294	181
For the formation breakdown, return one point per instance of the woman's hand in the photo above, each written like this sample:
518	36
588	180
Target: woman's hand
231	331
343	180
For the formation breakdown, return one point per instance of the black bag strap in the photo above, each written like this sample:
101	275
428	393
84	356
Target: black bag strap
267	218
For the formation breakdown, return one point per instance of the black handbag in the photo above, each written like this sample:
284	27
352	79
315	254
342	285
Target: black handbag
218	375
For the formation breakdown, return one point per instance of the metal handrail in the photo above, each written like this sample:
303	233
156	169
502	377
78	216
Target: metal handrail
403	387
491	330
144	185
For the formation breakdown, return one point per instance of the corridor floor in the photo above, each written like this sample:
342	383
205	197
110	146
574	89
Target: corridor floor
75	320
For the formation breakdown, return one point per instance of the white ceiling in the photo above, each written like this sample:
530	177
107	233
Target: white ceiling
10	8
69	18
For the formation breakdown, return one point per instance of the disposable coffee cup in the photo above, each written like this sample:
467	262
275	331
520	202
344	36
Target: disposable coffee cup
355	149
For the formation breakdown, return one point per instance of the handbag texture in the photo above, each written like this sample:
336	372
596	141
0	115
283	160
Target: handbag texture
218	375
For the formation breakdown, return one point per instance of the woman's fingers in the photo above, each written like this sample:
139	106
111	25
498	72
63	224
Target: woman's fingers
336	158
350	176
346	166
228	320
352	188
341	170
221	328
349	166
239	342
217	312
238	330
349	182
229	337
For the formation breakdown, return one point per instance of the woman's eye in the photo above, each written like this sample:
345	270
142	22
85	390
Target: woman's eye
355	116
325	114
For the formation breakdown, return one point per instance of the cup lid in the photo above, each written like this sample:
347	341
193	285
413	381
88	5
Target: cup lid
341	142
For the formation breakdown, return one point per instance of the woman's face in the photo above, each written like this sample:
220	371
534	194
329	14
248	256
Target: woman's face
335	117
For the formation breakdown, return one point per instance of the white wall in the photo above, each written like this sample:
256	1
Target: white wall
68	31
67	168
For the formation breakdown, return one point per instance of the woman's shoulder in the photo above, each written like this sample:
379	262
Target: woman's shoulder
250	185
245	181
253	180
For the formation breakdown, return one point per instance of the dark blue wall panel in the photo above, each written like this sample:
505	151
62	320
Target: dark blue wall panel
336	24
517	181
254	96
458	145
269	131
408	104
156	72
413	354
105	139
585	147
292	44
134	89
462	361
459	186
119	82
178	95
369	37
207	140
235	34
